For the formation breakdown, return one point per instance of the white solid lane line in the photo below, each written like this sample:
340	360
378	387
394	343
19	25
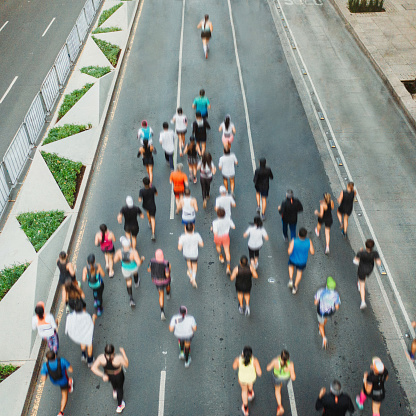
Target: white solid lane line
1	28
162	393
49	25
8	89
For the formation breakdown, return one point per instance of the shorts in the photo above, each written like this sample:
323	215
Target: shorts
298	266
178	194
363	276
222	240
264	193
192	160
128	273
161	284
243	289
148	161
203	140
278	381
181	131
378	397
151	212
228	177
132	229
327	222
321	319
191	260
109	251
186	339
253	253
184	222
227	140
206	35
341	210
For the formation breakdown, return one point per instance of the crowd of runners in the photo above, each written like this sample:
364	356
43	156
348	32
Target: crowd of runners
79	325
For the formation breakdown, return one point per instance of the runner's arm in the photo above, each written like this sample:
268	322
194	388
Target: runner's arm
234	273
312	249
100	270
271	364
84	274
257	367
119	217
97	239
125	361
70	269
292	372
96	366
236	363
341	196
291	245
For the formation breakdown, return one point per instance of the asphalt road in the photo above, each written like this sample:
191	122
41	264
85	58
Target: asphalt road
28	55
279	320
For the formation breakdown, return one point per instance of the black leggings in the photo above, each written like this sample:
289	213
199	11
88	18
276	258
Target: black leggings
205	186
98	295
117	381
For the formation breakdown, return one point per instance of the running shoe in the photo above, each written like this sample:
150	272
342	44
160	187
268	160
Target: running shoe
193	283
247	311
67	310
153	237
357	400
250	395
363	305
61	414
294	290
327	250
280	411
121	407
90	362
263	217
162	316
241	310
99	311
167	296
181	355
258	210
95	304
114	395
358	285
132	303
188	363
286	239
83	358
324	343
136	285
411	356
71	385
221	258
316	232
290	284
229	270
243	409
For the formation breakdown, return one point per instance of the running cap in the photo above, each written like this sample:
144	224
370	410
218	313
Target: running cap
378	364
129	201
330	283
335	388
183	310
125	242
144	123
289	193
223	189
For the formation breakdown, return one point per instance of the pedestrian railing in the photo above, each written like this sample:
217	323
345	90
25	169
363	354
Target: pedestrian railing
27	135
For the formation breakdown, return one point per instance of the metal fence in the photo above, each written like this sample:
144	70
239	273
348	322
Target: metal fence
28	133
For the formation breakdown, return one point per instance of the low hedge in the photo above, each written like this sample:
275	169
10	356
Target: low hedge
106	29
72	98
65	172
9	276
107	13
6	370
365	6
96	71
58	133
39	226
110	51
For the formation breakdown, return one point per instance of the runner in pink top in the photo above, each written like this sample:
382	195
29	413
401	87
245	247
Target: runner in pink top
105	239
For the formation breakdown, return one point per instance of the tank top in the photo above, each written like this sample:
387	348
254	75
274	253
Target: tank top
243	279
109	368
126	263
147	153
188	211
106	244
94	280
300	251
327	217
347	201
282	372
63	272
192	152
246	373
205	27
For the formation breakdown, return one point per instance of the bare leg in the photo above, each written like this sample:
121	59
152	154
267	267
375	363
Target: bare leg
318	227
362	290
106	255
153	224
258	200
161	298
232	184
291	270
240	297
225	180
345	223
244	396
327	236
263	204
376	407
150	171
111	264
298	278
133	241
64	399
278	394
339	215
203	147
227	254
247	298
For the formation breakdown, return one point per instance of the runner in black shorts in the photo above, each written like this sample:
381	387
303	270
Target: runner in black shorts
147	196
199	131
346	202
325	217
147	151
131	226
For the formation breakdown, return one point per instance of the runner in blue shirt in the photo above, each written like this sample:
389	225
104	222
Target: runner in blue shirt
201	104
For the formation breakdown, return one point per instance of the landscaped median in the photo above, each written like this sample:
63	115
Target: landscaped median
43	218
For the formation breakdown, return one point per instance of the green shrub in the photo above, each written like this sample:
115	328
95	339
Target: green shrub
364	6
65	172
96	71
6	370
9	276
110	51
106	29
39	226
71	99
107	13
58	133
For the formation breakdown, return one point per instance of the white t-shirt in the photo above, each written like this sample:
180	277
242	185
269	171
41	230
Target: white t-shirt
225	201
183	326
227	165
256	235
205	170
221	226
79	327
181	122
45	330
167	140
189	243
227	132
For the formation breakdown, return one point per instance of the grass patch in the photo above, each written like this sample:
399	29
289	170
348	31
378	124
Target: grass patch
364	6
71	99
106	29
58	133
9	276
6	370
107	13
110	51
96	71
39	226
65	172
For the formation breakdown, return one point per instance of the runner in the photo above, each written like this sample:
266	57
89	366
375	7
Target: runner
206	30
147	151
221	229
57	369
346	202
289	210
80	328
191	151
365	260
201	104
248	370
179	180
147	196
74	294
106	239
206	169
93	274
131	226
261	183
334	403
412	351
327	301
46	326
242	275
373	386
283	371
189	208
66	271
255	233
183	327
225	201
227	165
181	125
160	270
145	133
167	140
228	131
199	131
113	365
130	263
190	241
299	249
325	217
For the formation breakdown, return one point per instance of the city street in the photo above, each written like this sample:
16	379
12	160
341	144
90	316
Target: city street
278	127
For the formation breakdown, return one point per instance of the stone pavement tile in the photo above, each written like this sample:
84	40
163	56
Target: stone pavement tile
400	42
403	71
409	55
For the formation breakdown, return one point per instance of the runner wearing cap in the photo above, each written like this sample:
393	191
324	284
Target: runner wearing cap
199	131
46	325
167	140
206	30
145	133
227	165
181	125
327	301
228	131
179	181
189	208
255	233
261	183
130	263
131	226
106	239
289	210
225	201
183	327
335	402
201	104
373	386
93	274
147	196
